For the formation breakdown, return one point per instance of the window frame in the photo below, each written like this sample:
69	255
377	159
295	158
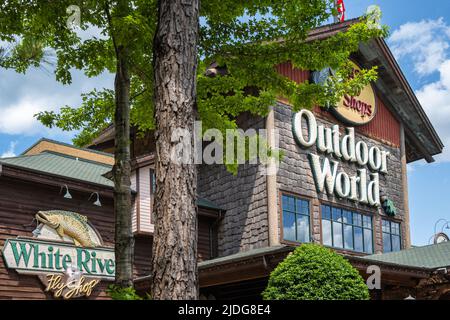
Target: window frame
281	217
342	208
391	221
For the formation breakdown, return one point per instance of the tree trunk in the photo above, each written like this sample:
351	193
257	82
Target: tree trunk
174	257
124	240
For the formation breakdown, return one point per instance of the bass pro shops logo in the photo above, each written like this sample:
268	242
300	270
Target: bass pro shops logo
65	252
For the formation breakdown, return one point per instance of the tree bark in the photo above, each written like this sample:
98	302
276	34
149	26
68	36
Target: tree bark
124	240
174	257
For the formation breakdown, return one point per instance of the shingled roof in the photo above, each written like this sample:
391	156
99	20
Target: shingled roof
432	256
64	166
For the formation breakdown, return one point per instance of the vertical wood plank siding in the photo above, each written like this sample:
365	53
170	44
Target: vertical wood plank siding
145	200
384	127
286	69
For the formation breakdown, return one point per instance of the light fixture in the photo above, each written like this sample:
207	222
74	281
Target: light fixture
410	297
67	195
97	202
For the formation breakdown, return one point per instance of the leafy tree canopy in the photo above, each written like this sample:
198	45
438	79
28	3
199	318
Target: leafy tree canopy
248	38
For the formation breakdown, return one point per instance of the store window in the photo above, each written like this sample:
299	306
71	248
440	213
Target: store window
345	229
296	219
391	236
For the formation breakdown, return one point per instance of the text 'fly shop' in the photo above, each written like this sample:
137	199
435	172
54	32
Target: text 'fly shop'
341	183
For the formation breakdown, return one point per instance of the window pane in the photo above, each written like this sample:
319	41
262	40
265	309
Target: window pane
368	241
386	242
367	222
358	239
337	214
348	237
395	243
395	228
326	212
288	203
386	226
302	228
289	226
347	216
357	219
337	235
326	233
305	208
153	181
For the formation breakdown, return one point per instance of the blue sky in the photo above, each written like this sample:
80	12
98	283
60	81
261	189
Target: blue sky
420	39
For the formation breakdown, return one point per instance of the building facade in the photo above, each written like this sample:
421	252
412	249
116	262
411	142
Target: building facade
341	182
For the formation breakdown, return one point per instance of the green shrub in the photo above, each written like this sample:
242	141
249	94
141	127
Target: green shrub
119	293
313	272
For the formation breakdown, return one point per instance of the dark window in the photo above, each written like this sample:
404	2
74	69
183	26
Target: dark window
295	219
345	229
391	236
152	194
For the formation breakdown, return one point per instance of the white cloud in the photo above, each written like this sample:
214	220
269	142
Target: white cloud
427	44
25	95
11	152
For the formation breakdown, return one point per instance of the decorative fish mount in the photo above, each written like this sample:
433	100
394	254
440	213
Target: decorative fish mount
389	206
68	223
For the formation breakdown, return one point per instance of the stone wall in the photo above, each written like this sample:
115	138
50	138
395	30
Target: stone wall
244	197
295	176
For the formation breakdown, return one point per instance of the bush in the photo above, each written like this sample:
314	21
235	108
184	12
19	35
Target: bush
313	272
119	293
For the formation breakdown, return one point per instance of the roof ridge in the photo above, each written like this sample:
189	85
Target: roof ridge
59	154
67	145
63	155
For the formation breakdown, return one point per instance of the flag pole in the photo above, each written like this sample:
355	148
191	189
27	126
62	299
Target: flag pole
335	17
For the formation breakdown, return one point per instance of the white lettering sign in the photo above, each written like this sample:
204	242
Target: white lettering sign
364	187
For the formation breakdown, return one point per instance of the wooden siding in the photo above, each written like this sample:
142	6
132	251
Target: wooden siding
45	145
19	202
134	206
286	69
384	127
145	210
204	239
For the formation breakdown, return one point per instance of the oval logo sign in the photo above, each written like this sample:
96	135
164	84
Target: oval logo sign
358	110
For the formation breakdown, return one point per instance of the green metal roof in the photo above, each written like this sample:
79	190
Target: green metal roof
63	166
70	167
432	256
201	202
243	255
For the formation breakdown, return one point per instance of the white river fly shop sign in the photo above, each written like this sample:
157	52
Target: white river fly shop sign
66	254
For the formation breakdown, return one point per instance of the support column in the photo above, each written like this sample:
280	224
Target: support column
271	185
406	228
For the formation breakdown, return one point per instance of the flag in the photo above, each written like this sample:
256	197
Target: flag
341	10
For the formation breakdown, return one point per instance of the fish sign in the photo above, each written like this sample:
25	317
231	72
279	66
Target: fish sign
65	252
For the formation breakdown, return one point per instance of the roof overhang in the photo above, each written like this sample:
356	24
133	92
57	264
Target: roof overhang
421	139
33	176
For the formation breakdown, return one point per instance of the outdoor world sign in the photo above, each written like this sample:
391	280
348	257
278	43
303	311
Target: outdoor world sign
66	253
364	186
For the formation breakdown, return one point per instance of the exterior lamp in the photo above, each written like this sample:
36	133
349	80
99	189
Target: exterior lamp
409	298
67	195
97	202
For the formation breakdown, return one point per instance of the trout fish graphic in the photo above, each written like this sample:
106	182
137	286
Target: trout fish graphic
68	223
